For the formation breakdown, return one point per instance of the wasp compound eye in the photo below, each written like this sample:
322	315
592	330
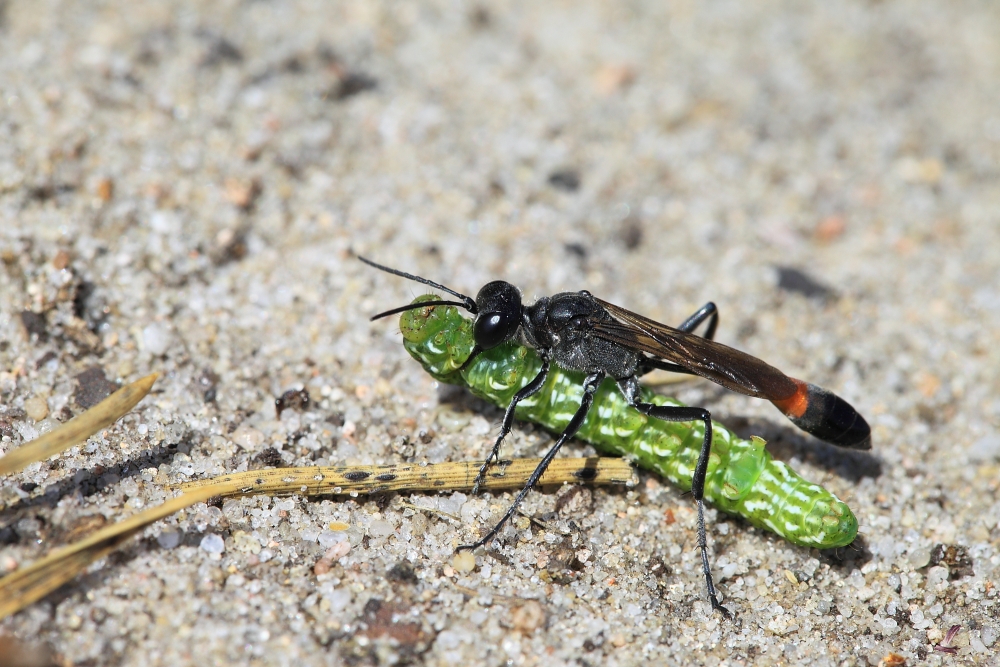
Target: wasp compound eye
491	329
499	305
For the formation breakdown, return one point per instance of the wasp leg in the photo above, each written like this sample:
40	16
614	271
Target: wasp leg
468	360
709	312
590	386
671	413
508	421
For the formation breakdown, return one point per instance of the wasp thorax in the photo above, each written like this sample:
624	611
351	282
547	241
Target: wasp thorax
499	306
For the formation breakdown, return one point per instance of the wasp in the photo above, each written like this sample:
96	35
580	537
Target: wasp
576	331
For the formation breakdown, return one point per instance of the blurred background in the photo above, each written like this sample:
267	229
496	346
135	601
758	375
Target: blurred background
183	189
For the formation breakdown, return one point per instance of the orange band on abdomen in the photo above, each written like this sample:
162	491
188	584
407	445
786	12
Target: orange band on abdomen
795	405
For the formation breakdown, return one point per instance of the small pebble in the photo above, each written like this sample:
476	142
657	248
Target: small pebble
329	539
61	260
125	368
241	193
213	544
7	564
338	551
380	528
452	504
156	339
464	561
168	540
919	557
245	542
448	640
105	189
452	421
528	617
986	448
339	599
36	408
247	437
46	425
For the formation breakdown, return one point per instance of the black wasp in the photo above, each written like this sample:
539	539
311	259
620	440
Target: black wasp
579	332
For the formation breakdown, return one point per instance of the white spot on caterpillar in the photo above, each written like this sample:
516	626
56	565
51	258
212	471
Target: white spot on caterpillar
752	506
662	452
799	497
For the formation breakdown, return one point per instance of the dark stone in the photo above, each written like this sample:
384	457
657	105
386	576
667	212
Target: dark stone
799	282
567	180
295	399
94	387
35	324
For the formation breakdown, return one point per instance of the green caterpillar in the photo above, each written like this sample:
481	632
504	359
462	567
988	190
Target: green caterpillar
742	478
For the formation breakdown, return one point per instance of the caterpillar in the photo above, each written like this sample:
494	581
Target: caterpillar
743	479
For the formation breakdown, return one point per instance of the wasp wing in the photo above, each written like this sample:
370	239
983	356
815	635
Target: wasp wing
719	363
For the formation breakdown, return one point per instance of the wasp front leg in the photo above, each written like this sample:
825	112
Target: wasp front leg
508	421
589	388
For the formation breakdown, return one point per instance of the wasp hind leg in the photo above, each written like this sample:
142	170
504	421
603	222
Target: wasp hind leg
707	312
672	413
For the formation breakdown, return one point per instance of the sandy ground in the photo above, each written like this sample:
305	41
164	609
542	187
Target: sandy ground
182	189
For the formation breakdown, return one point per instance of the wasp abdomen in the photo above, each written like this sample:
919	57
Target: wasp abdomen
822	413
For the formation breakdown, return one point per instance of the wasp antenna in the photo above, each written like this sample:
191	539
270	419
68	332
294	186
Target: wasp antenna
414	306
467	302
